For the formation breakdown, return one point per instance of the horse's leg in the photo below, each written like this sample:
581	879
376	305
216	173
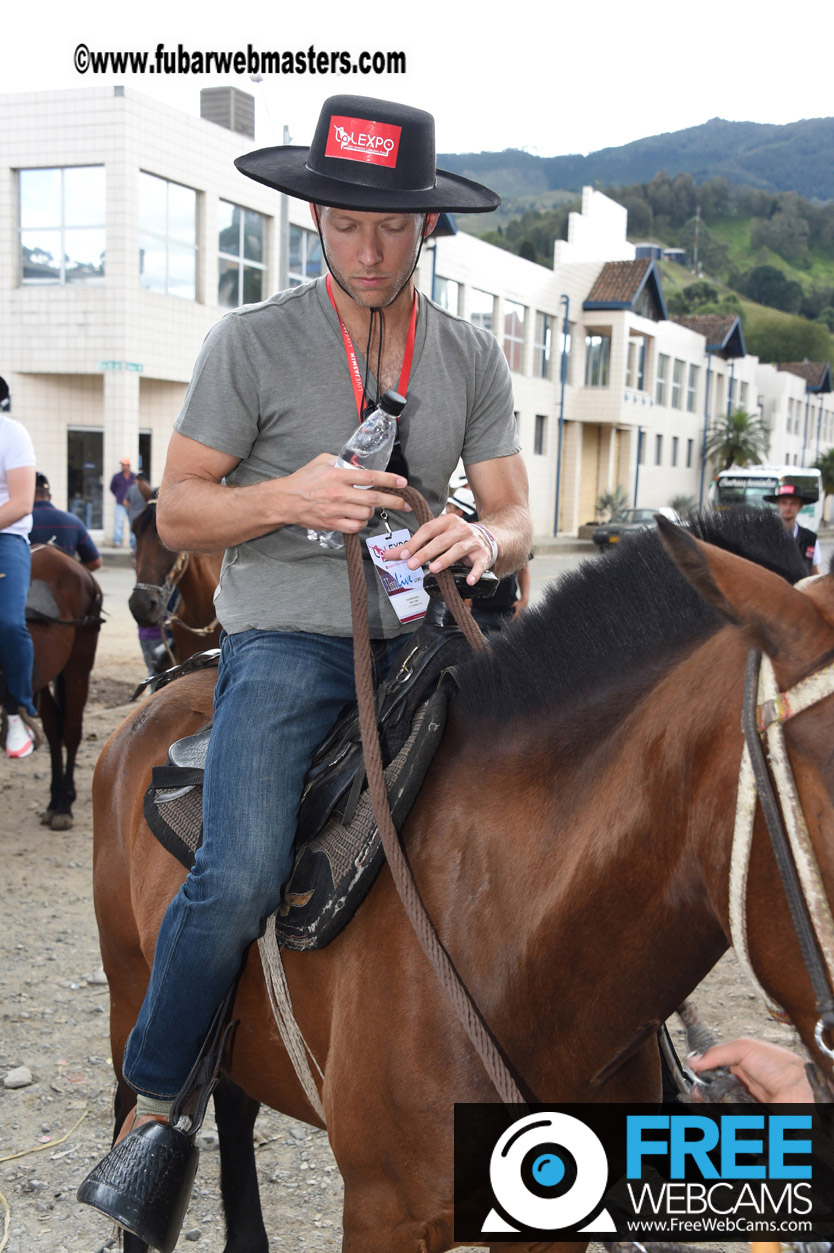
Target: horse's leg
74	682
235	1113
51	718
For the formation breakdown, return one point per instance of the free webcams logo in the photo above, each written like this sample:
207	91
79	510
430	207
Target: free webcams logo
644	1171
359	139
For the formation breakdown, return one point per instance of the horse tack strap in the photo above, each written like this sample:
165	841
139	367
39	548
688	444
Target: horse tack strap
797	864
487	1047
781	706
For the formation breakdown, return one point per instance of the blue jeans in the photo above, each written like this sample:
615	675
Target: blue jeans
277	696
17	655
121	518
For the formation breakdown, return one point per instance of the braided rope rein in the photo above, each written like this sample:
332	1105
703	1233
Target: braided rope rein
483	1040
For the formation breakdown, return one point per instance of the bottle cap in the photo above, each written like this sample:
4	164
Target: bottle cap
392	402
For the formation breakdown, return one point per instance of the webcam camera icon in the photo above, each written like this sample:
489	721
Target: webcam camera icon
548	1172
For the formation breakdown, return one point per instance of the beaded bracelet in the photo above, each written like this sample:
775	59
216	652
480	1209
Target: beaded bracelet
490	539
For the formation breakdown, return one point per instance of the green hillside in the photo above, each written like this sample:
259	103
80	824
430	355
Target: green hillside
774	158
769	257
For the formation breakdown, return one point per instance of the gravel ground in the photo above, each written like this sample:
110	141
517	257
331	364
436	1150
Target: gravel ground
53	1020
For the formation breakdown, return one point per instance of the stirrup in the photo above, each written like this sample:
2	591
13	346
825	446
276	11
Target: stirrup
144	1183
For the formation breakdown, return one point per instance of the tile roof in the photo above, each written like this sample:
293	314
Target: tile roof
619	282
715	327
813	372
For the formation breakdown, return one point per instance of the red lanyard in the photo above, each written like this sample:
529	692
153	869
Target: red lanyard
353	364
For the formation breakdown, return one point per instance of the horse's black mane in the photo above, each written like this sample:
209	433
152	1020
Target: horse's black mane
628	610
146	521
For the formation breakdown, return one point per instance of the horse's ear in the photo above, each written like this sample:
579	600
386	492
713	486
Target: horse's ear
690	556
780	618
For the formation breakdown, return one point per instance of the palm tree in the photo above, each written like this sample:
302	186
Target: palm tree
738	438
825	464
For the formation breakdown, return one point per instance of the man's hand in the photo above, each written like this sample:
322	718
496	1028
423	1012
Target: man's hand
770	1073
443	541
324	497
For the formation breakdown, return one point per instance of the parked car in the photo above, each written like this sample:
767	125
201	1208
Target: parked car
629	522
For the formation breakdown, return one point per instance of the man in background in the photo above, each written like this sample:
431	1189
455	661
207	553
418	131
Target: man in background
65	530
789	499
121	481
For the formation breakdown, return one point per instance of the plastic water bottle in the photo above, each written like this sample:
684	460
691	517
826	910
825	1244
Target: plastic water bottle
369	448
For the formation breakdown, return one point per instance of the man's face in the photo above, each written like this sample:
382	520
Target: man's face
789	507
371	254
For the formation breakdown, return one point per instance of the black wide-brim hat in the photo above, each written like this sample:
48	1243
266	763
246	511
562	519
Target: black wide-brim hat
372	156
808	495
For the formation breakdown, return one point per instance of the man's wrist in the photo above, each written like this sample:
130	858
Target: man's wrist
491	541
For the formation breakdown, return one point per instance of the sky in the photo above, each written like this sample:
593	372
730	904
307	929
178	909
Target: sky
549	77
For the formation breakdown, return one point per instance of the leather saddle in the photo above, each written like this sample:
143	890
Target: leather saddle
338	851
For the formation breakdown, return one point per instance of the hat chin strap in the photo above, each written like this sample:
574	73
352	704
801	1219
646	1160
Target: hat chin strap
373	308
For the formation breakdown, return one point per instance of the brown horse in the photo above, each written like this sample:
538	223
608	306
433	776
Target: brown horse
160	574
572	845
64	654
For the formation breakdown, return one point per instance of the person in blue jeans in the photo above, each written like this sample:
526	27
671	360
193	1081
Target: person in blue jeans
17	491
120	484
277	390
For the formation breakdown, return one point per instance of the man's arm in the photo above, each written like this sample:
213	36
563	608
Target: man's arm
21	487
500	490
198	513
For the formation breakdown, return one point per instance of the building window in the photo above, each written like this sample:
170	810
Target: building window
677	384
85	475
658	450
641	447
597	360
241	242
167	237
662	376
689	447
543	345
692	389
742	395
514	316
481	309
305	256
674	460
62	225
566	361
540	433
636	364
447	293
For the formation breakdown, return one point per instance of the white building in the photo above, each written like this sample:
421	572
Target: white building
126	231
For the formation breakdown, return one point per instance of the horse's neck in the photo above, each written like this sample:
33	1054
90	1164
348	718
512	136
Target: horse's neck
603	871
196	589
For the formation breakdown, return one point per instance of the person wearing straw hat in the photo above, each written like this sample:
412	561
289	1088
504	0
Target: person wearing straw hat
789	499
277	390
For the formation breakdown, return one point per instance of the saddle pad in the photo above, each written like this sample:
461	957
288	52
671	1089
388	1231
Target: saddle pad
334	870
41	605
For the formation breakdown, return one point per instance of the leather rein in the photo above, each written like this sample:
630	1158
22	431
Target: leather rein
495	1062
766	710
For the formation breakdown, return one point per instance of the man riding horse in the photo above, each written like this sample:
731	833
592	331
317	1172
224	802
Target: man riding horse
276	391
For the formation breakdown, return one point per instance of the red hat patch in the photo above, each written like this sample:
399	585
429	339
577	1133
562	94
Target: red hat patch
358	139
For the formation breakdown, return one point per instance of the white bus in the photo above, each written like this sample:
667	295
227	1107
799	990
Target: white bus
748	485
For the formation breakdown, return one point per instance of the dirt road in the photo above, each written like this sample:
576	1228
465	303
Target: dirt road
53	1019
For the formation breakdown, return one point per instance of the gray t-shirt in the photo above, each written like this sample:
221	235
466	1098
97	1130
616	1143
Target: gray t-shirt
272	387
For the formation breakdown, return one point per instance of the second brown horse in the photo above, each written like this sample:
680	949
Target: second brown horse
189	578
